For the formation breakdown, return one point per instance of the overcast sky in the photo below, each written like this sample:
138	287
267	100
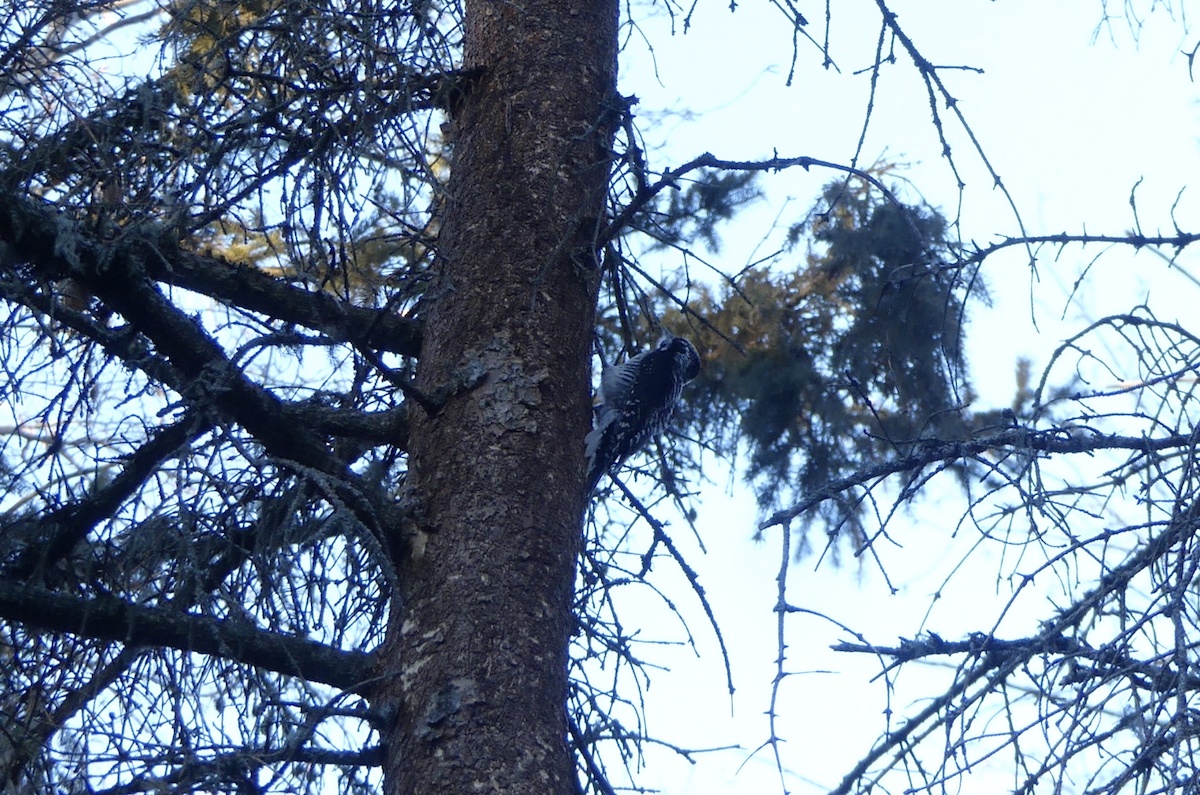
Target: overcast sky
1071	114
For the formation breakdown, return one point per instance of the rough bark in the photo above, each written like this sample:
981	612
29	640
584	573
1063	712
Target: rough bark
476	662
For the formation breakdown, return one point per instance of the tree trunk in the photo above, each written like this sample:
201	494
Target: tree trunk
476	659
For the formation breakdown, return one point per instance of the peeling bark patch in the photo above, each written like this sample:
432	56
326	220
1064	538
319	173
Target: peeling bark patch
511	398
421	646
444	712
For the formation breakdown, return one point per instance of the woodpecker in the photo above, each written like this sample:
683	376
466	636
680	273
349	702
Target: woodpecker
637	399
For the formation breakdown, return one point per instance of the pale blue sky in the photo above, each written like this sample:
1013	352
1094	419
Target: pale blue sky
1071	121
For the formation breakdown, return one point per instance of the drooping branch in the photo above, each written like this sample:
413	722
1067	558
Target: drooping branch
380	427
119	343
41	727
247	288
40	236
109	618
38	730
118	274
199	358
58	531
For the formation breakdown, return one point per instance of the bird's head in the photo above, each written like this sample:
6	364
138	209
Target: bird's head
685	355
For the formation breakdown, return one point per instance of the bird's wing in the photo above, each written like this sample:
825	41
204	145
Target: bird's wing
617	381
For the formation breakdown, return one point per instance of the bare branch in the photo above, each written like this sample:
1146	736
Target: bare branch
108	618
32	233
1018	439
670	179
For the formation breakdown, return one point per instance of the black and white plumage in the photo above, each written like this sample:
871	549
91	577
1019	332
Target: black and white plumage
637	399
